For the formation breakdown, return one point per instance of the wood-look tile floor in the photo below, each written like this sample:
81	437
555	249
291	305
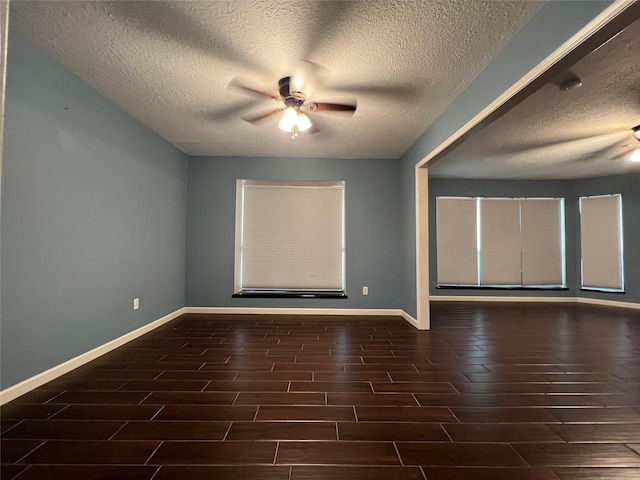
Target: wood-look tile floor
504	391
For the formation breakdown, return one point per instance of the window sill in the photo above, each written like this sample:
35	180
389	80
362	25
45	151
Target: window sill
289	294
602	290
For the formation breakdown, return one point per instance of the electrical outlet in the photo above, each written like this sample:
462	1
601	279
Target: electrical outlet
136	303
365	290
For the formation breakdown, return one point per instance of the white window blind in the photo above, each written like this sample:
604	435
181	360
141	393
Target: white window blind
291	236
500	241
601	242
493	242
541	233
456	241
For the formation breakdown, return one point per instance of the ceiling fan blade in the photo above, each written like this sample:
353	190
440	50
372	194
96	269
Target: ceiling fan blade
230	111
259	117
331	107
306	76
584	142
242	87
176	22
327	22
393	90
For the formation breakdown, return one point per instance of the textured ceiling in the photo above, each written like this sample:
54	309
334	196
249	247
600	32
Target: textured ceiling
169	64
554	134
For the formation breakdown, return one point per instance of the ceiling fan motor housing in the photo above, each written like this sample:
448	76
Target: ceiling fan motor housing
291	99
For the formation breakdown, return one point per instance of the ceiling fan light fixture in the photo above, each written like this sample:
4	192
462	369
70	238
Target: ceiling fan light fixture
294	121
289	119
303	122
295	118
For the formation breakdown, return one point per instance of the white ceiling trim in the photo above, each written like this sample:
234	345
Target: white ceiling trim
570	45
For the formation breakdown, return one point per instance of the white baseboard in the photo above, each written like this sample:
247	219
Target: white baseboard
371	312
608	303
409	319
294	311
573	300
29	384
483	298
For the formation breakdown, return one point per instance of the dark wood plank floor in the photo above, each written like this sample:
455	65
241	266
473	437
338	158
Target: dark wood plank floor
503	391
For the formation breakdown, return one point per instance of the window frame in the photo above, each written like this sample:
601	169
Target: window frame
239	289
620	234
479	285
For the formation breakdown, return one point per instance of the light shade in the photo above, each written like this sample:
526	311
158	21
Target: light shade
635	155
289	119
294	121
303	122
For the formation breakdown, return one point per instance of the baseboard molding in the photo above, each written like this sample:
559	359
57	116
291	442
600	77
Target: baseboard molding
573	300
608	303
409	319
29	384
293	311
487	298
370	312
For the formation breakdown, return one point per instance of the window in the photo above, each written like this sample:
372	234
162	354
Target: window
601	243
499	249
542	241
457	244
290	238
500	242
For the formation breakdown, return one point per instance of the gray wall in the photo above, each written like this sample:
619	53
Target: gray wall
93	215
373	236
629	187
570	190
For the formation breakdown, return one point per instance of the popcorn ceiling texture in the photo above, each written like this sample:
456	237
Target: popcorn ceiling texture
168	64
554	134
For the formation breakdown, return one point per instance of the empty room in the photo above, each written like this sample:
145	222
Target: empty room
298	240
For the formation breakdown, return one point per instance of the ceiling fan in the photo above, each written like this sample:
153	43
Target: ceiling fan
295	106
